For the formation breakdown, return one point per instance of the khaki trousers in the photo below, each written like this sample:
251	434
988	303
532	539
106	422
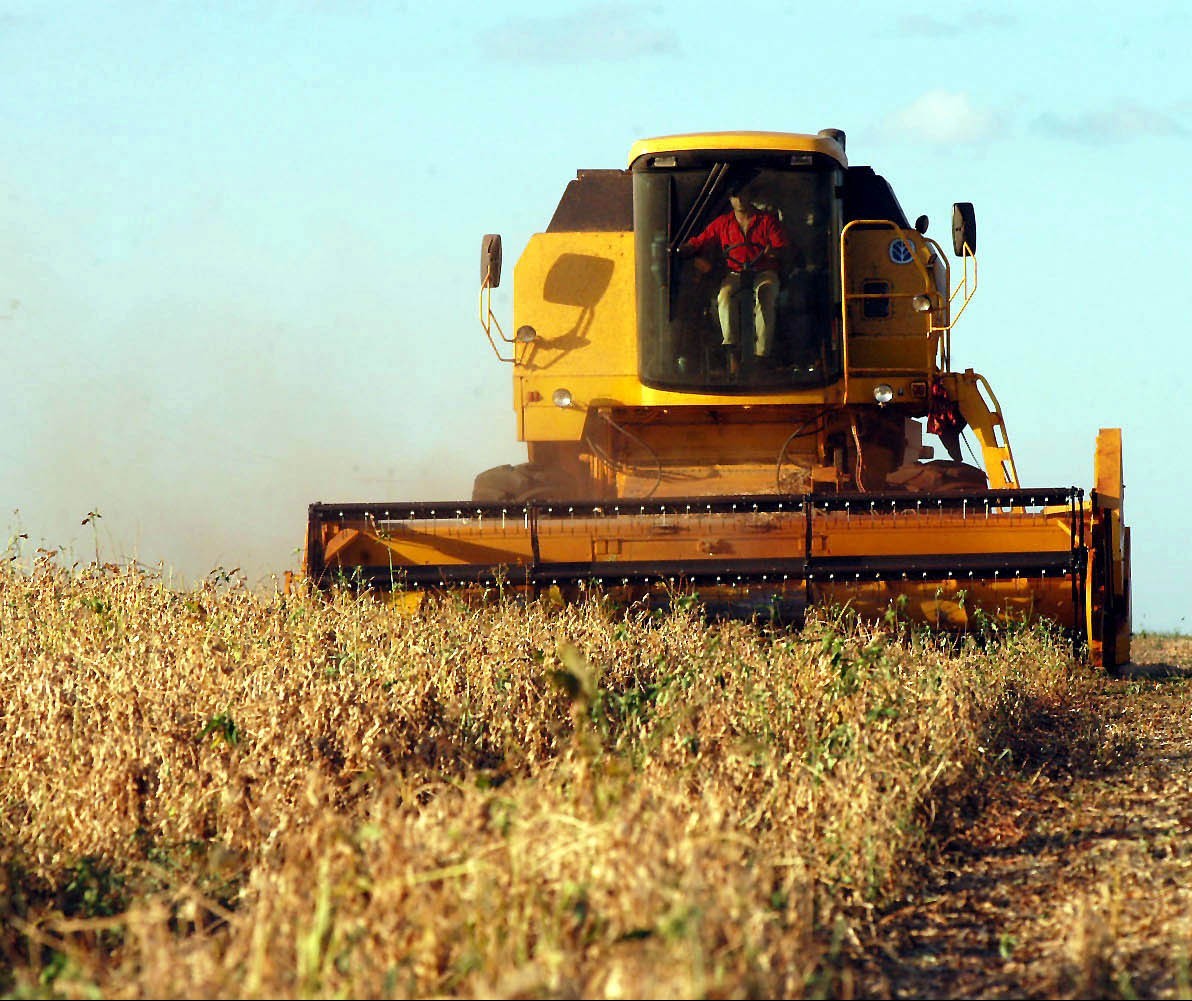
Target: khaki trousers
765	298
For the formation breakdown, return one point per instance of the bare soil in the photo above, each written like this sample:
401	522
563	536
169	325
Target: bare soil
1074	876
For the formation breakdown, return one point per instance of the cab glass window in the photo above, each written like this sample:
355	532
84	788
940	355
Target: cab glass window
726	307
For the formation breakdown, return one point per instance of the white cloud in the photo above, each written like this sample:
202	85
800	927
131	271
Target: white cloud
1118	122
926	26
954	26
941	117
604	32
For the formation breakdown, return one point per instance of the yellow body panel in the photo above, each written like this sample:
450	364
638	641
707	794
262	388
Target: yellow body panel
577	291
1110	610
870	254
795	142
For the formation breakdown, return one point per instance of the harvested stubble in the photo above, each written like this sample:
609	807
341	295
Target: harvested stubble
220	794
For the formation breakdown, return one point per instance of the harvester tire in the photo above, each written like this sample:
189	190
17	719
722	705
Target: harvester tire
938	476
516	484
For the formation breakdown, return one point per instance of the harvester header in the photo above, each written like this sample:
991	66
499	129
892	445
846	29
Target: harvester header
726	362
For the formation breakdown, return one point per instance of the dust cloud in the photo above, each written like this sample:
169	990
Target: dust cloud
201	440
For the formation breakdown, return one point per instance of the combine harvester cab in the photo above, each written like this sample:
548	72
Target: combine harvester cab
725	359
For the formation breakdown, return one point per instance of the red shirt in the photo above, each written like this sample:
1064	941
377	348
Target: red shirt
754	248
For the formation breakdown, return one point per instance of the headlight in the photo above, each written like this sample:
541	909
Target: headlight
921	303
526	335
562	398
883	393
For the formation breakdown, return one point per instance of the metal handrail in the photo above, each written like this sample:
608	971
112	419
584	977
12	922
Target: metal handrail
968	255
935	329
488	319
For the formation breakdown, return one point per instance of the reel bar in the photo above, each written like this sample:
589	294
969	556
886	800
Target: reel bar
875	503
728	573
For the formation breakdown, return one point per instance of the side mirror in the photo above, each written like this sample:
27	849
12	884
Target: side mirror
964	229
921	225
490	260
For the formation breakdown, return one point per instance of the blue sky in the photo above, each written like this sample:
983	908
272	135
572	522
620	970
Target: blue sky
238	242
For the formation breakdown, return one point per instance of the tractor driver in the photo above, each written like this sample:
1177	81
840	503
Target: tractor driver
749	241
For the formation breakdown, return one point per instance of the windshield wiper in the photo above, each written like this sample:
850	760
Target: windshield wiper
695	214
691	220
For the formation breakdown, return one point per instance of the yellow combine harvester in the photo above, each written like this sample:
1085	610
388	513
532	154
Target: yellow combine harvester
724	361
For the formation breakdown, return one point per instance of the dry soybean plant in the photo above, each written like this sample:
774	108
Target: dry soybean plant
223	794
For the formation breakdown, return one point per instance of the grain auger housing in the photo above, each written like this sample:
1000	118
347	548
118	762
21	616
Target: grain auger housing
727	362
